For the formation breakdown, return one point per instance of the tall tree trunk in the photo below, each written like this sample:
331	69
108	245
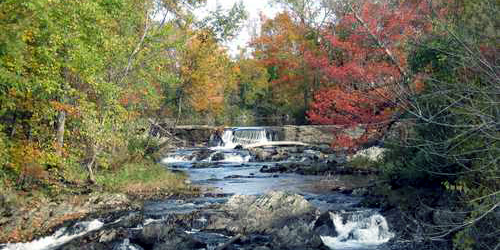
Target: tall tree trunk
179	111
61	117
61	122
91	162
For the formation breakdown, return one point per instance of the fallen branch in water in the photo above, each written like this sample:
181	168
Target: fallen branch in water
231	241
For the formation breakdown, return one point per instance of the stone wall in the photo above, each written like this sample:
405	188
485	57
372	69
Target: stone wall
313	134
191	136
310	134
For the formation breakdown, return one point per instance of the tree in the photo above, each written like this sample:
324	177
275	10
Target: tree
454	145
363	60
224	26
71	72
280	48
207	74
246	101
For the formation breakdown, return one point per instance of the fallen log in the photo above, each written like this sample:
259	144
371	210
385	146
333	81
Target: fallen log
231	241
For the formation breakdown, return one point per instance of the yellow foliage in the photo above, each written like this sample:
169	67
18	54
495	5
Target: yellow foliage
208	74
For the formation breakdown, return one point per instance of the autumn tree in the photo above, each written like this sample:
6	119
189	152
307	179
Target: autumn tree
279	48
363	61
207	75
454	142
75	72
224	24
247	100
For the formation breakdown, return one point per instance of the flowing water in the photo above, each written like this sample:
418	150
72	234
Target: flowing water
244	136
226	171
61	236
232	174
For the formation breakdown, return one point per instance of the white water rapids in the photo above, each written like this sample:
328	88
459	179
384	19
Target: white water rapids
60	237
365	229
232	171
243	136
231	138
358	230
227	157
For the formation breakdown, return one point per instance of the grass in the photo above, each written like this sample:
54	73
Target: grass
144	179
343	182
363	163
25	215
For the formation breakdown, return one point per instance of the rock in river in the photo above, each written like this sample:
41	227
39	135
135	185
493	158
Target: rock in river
287	218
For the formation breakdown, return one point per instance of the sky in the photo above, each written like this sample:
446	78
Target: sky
253	7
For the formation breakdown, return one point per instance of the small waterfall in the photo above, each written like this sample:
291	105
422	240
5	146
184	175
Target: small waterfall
358	230
59	238
243	136
227	139
179	157
186	158
228	156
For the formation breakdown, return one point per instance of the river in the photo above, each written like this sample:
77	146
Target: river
226	175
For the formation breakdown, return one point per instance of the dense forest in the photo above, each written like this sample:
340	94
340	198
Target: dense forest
80	82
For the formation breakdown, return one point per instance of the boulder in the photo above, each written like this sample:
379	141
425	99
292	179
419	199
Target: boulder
202	154
219	156
126	245
167	236
324	225
374	154
252	214
286	217
296	233
261	155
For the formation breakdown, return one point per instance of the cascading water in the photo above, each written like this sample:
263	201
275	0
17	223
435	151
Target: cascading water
243	136
179	157
228	171
59	238
358	230
228	156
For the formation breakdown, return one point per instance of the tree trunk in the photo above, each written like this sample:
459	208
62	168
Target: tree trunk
179	111
90	164
61	122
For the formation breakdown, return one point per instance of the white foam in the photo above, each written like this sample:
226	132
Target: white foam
358	232
375	154
149	221
243	136
180	156
174	159
236	158
59	238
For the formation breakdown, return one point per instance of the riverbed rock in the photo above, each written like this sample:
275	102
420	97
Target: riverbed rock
261	155
306	167
374	154
130	220
219	156
202	165
107	236
126	245
107	201
324	225
166	236
296	233
287	218
202	154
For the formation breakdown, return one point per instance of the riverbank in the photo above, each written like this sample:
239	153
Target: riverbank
25	216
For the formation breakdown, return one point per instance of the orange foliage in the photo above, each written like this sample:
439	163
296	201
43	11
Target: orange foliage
364	60
208	74
282	45
69	109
